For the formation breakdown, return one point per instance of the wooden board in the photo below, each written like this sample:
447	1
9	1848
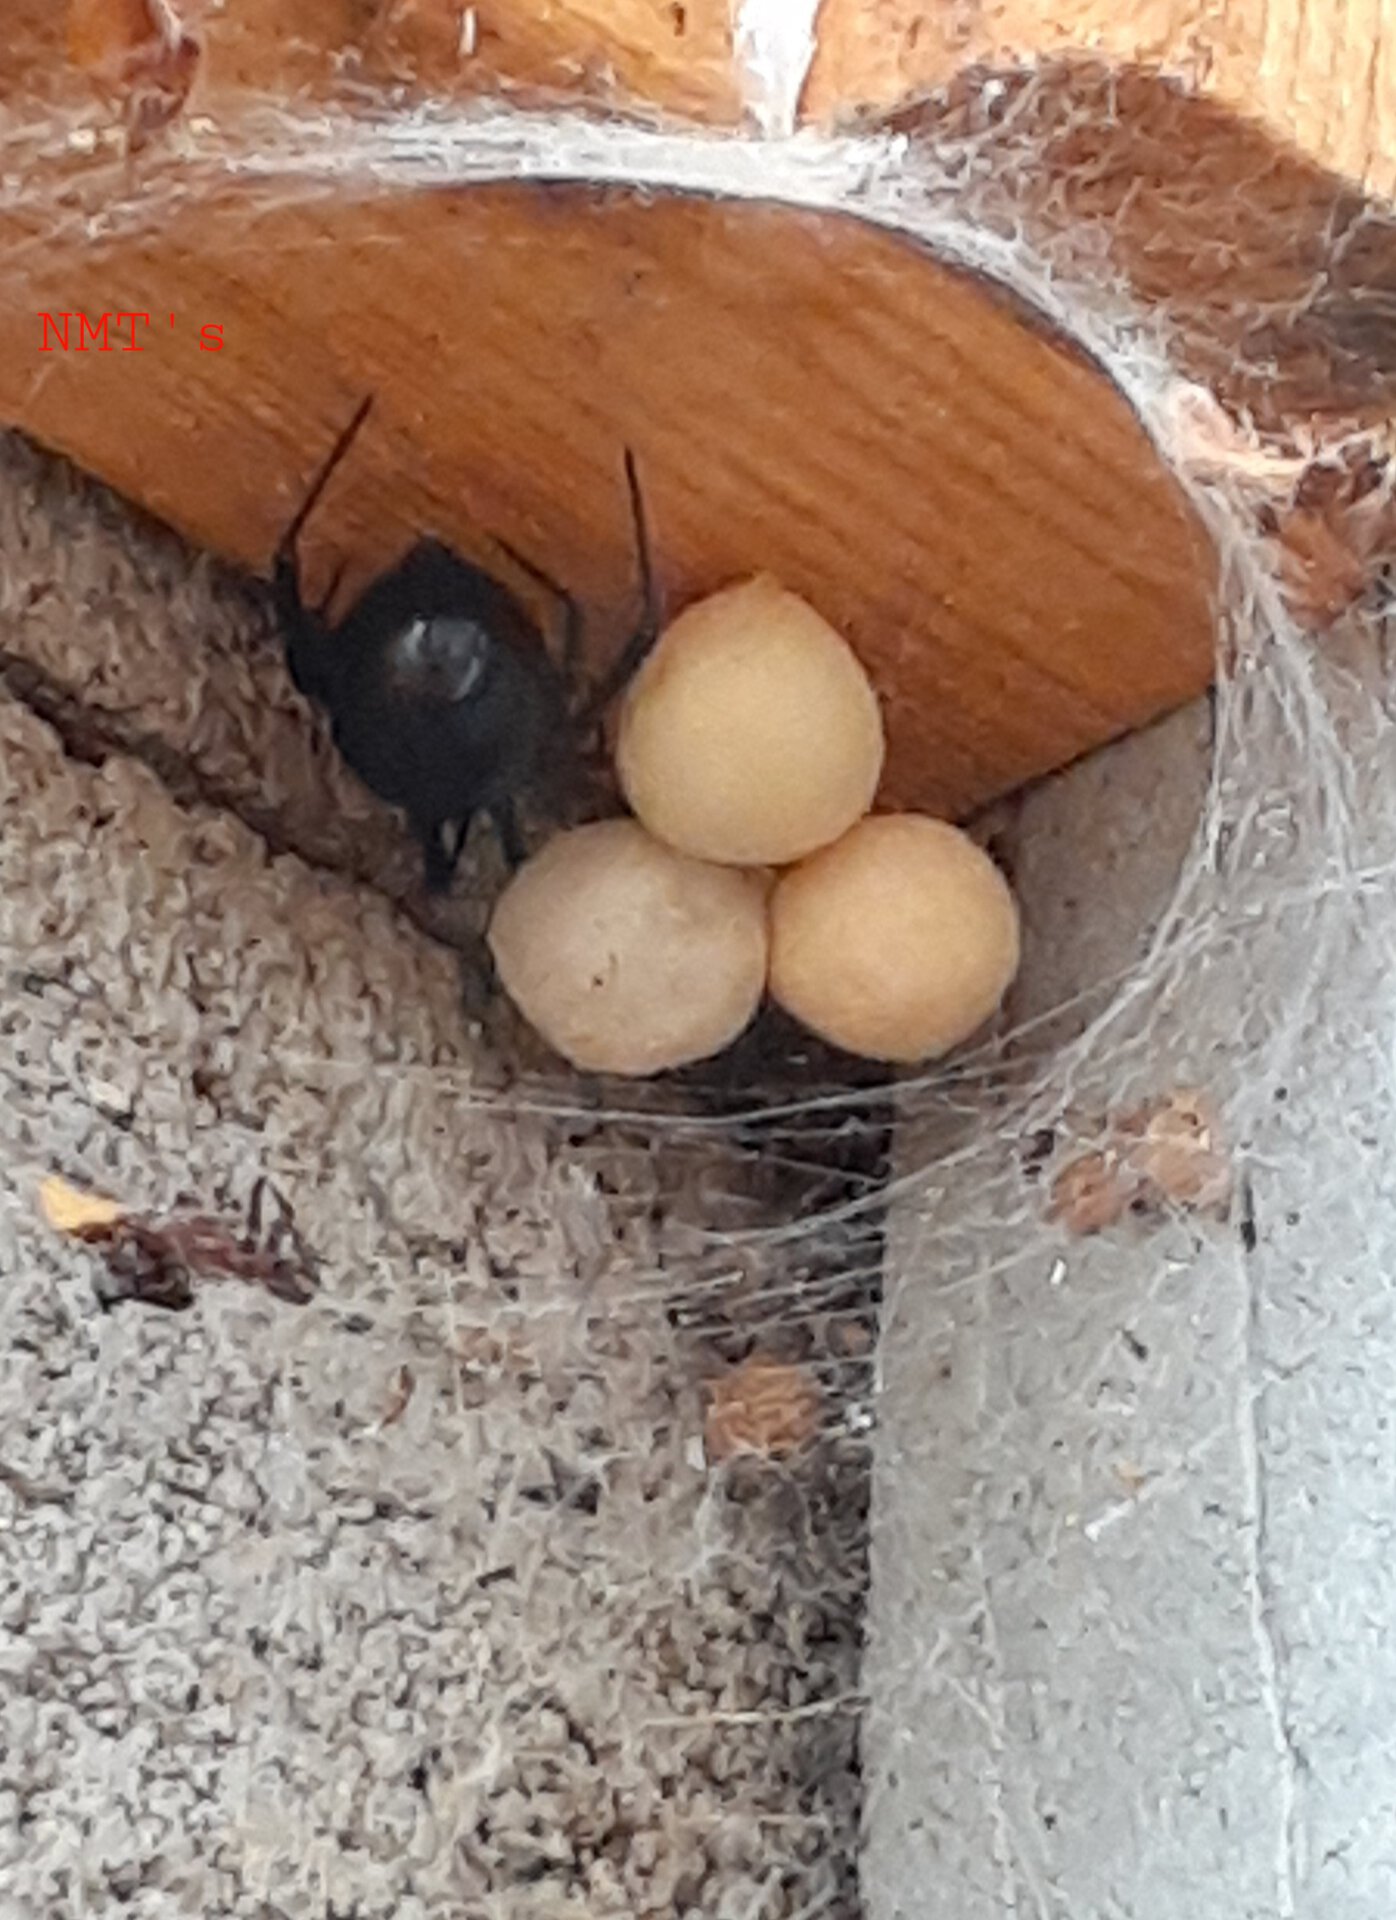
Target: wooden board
972	504
678	55
1318	76
1231	163
969	500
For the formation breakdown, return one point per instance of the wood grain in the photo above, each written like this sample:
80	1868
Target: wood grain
1230	162
971	503
674	55
1317	75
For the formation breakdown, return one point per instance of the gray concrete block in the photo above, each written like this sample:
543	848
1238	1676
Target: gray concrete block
1133	1622
418	1601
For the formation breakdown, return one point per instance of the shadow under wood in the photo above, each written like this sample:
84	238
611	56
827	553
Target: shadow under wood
1275	277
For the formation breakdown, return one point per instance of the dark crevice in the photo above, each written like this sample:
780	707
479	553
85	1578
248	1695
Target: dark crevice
92	736
820	1159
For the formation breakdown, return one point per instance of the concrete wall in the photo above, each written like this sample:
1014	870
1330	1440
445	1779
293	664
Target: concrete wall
1133	1637
419	1601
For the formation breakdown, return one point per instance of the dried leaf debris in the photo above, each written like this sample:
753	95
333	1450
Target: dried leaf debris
764	1407
1169	1152
158	1258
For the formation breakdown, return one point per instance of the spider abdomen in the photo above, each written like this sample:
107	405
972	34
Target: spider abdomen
438	688
441	759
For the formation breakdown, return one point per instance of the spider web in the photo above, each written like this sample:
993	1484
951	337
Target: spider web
560	1281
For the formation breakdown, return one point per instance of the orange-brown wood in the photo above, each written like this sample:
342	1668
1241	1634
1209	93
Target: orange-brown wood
1318	75
1229	161
674	55
972	504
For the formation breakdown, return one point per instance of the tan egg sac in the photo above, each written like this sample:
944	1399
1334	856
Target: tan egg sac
628	957
751	735
897	942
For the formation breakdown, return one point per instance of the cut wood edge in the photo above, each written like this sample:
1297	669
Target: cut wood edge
1319	79
972	502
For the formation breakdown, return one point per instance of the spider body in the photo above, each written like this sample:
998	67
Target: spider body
439	690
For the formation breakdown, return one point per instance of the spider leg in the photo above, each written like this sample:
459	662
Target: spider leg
309	652
444	852
457	846
506	826
571	612
305	632
438	861
633	653
286	549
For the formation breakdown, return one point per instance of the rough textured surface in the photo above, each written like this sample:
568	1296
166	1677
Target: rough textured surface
1133	1608
418	1600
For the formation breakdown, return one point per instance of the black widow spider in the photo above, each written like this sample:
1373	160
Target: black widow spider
439	690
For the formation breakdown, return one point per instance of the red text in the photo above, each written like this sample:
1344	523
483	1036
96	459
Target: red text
95	335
